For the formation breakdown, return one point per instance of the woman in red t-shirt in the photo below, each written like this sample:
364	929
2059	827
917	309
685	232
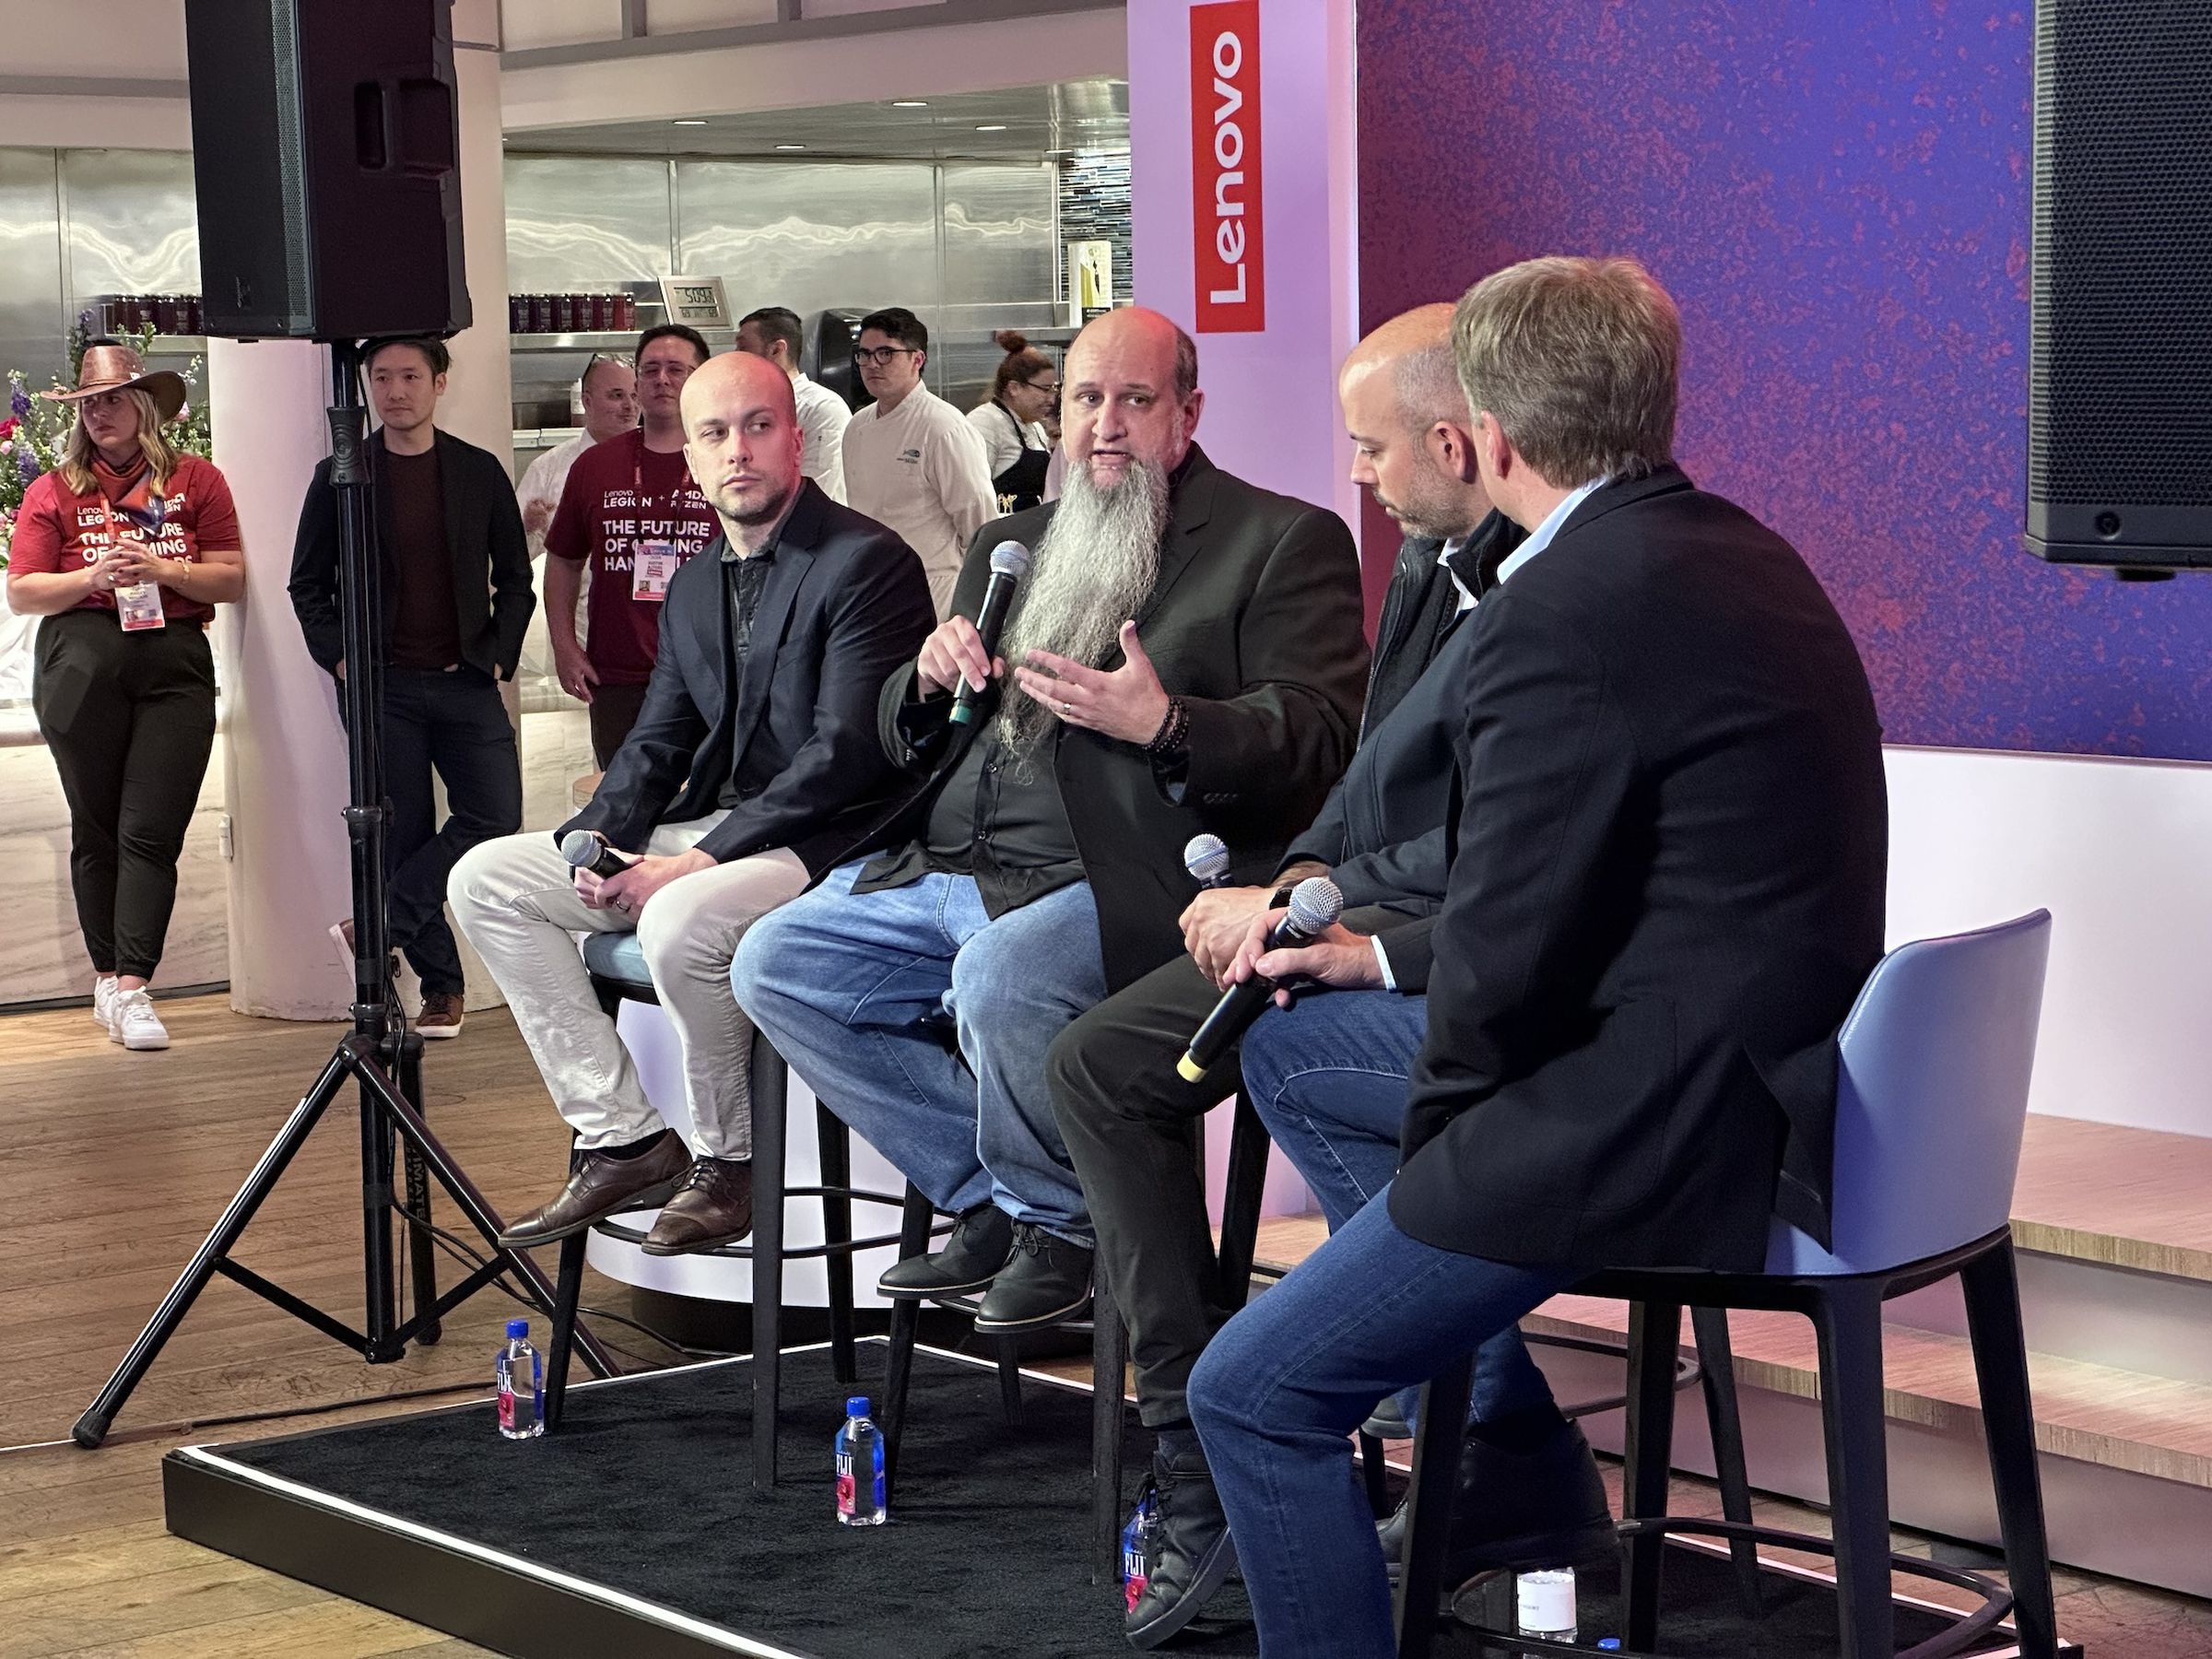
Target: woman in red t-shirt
125	550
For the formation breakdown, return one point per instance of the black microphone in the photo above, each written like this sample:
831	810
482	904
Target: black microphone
1009	564
1314	904
1208	861
588	849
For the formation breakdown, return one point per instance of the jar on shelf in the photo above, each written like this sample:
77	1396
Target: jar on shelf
165	314
518	314
194	317
541	313
564	313
626	311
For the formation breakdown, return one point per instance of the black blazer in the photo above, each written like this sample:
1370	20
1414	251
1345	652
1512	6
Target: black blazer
1667	889
1254	622
1384	830
492	595
845	602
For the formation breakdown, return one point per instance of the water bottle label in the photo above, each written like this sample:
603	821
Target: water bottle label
506	1406
847	1492
1544	1602
1135	1574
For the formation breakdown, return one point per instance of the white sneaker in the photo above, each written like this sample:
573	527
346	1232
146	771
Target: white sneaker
103	1003
135	1023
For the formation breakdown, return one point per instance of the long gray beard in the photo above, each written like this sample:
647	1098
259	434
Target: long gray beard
1093	571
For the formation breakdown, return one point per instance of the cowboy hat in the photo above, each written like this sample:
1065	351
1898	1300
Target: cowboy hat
112	368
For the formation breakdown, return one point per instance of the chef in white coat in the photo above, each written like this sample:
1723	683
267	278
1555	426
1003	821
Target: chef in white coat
911	460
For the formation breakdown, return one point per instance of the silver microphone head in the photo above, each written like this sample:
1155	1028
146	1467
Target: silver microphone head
1315	903
1206	858
1010	559
580	847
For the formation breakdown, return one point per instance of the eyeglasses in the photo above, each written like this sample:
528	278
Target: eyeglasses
1050	388
881	355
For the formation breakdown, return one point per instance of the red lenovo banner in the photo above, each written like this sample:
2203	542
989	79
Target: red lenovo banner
1226	214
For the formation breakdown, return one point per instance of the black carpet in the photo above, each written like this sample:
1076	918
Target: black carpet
647	1489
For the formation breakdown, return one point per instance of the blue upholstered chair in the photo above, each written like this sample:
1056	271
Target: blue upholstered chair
1932	1098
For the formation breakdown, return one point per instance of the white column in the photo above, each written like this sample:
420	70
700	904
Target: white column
284	750
478	400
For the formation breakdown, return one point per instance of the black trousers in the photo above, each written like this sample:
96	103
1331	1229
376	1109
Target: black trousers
451	722
614	709
1132	1127
129	719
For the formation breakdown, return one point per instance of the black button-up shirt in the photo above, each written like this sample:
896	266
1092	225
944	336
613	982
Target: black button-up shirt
743	577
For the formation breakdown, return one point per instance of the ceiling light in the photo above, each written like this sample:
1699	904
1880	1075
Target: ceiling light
999	127
791	147
694	121
910	103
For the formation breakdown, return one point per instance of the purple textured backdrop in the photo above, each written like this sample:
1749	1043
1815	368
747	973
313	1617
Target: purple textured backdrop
1837	196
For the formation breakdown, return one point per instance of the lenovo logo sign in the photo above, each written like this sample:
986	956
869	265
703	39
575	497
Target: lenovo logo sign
1226	214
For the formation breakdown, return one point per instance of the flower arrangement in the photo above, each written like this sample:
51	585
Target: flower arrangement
35	429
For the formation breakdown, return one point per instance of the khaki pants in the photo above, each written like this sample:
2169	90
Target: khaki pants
516	902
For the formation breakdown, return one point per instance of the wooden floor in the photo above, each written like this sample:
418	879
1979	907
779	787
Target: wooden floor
116	1166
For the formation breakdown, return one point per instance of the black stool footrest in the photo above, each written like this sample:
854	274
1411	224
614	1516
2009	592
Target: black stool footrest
1968	1629
743	1251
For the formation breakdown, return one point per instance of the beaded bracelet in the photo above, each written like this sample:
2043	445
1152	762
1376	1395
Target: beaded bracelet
1174	727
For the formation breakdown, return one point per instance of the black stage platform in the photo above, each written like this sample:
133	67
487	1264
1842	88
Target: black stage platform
635	1532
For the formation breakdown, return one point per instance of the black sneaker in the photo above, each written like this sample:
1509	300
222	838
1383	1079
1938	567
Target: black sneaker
1195	1552
1045	1281
1521	1510
981	1241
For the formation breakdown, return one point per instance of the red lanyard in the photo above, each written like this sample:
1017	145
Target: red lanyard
637	482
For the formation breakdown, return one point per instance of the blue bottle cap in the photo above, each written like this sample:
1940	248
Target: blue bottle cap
1611	1644
857	1406
518	1327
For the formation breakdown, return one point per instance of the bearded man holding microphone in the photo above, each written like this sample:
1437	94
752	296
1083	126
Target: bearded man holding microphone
1186	656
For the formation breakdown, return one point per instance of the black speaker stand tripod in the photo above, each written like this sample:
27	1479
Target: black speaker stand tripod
380	1056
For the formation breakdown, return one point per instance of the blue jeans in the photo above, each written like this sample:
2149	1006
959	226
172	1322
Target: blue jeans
1328	1076
1277	1394
860	992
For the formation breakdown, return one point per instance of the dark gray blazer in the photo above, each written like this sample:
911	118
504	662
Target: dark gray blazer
1666	889
845	602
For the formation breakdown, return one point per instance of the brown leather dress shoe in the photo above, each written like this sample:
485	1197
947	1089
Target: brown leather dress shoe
600	1186
440	1015
713	1205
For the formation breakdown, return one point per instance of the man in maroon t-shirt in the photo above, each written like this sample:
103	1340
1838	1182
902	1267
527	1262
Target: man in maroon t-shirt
631	510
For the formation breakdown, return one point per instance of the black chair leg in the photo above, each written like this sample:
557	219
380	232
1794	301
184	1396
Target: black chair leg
1247	1184
898	1353
1993	1321
836	1143
1109	1365
1375	1473
1848	1321
1655	1339
567	1292
1444	1416
1716	1366
771	1089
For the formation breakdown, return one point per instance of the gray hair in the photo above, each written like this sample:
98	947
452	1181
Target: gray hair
1426	382
1576	360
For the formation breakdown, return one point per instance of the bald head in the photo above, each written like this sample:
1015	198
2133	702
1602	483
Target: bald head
742	439
1409	425
1129	393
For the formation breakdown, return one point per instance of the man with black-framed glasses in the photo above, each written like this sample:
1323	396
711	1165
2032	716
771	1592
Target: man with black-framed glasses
911	460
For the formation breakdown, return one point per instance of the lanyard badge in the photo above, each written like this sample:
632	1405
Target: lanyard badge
137	604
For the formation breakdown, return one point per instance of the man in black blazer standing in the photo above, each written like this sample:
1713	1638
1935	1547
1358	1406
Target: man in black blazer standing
1666	889
1186	656
456	601
752	766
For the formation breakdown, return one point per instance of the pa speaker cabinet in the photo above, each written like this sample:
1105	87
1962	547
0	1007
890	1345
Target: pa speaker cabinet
327	164
2120	332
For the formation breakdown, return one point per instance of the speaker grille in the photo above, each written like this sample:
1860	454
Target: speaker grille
2120	346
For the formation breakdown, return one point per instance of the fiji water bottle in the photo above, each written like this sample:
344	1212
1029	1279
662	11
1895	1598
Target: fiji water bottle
1140	1547
860	1468
1543	1603
521	1380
